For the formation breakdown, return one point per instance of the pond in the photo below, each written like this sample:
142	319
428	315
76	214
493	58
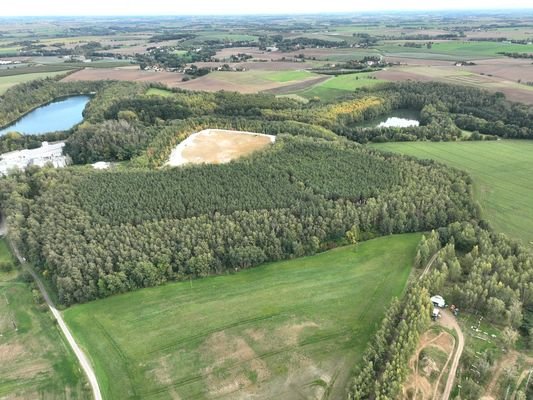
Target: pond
57	116
401	118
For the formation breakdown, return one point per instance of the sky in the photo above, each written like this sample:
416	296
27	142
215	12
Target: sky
211	7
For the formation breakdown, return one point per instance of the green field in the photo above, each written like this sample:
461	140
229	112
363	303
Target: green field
8	81
286	329
502	172
456	49
35	362
339	86
159	92
288	76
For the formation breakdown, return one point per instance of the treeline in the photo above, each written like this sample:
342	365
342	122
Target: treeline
516	54
94	234
384	367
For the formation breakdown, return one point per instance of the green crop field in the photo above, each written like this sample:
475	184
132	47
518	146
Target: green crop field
286	330
8	81
288	76
159	92
35	362
339	86
502	172
455	49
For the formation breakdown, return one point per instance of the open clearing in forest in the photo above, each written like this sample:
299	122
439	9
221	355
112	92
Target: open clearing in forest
216	146
501	171
35	362
289	329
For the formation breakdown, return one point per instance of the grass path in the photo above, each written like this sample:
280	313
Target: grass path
501	171
278	330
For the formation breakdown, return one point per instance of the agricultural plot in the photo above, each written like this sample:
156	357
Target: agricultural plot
215	146
340	85
8	81
290	329
250	81
34	360
454	49
461	76
501	171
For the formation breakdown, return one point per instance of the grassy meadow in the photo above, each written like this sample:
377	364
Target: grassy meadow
339	85
35	362
8	81
290	329
501	171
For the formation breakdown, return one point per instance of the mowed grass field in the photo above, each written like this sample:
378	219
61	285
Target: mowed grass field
502	172
284	330
340	85
8	81
455	50
35	362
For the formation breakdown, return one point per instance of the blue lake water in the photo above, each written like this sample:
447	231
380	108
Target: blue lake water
57	116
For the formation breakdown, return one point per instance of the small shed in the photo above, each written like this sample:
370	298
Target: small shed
438	301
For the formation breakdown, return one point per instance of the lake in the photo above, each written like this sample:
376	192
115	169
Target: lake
57	116
401	118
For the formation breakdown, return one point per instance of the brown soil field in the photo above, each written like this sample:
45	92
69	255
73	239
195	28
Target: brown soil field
215	146
512	90
125	74
258	65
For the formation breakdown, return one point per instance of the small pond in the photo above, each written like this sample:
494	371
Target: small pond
395	119
57	116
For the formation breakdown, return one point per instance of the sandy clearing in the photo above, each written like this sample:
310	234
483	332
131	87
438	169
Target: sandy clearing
216	146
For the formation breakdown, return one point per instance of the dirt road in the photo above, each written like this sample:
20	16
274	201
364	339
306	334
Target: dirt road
449	321
84	362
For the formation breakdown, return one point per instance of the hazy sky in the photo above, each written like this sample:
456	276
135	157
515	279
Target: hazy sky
177	7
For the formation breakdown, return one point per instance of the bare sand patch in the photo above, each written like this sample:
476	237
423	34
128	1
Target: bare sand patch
216	146
234	364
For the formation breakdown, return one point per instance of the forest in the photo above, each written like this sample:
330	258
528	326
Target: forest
96	234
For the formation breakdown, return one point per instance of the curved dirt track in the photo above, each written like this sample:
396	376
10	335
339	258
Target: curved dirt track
84	362
449	321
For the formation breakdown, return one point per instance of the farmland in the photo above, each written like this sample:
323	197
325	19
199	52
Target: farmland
501	171
452	50
34	360
280	330
9	81
339	86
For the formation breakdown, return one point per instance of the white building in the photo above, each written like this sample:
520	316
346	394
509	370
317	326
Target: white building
48	153
438	301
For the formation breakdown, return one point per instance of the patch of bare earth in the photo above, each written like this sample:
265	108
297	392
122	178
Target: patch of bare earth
238	371
418	385
171	79
234	365
215	146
